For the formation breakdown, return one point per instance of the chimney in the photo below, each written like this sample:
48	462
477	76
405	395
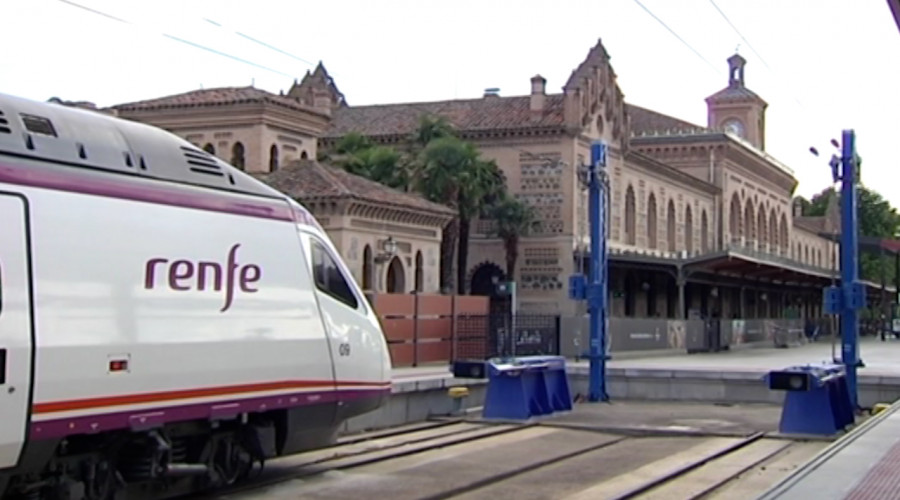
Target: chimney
491	92
797	208
538	92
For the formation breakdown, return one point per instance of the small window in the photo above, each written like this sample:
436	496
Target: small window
328	276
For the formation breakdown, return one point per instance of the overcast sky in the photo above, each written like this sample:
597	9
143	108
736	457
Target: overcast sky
822	65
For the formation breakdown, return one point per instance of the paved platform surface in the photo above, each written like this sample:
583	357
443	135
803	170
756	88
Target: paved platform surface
882	359
864	465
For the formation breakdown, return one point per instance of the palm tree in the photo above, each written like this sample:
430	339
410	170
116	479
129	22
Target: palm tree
448	168
431	127
484	185
512	220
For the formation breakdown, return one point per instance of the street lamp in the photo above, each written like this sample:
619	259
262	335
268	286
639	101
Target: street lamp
388	250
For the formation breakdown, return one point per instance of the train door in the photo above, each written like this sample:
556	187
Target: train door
355	344
15	329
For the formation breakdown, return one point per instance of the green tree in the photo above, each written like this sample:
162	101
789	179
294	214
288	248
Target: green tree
431	127
450	174
512	219
876	218
483	185
356	154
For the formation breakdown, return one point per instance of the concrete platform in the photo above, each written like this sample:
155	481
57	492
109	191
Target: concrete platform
723	377
862	465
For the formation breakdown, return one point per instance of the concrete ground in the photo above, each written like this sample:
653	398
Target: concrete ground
671	417
572	455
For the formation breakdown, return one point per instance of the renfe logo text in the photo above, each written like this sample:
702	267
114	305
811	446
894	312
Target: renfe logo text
184	275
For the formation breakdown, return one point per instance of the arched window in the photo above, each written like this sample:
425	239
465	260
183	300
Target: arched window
304	155
785	243
749	225
774	240
209	148
237	155
735	219
704	232
762	229
273	158
688	229
651	222
670	226
630	223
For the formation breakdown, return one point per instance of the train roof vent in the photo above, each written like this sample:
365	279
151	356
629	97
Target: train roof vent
201	162
4	124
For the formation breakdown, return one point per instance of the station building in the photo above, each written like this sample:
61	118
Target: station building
702	220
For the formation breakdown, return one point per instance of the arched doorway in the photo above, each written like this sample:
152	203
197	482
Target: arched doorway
396	279
483	279
367	268
483	283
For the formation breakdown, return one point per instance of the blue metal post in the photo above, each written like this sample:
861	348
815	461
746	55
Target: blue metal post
597	288
849	264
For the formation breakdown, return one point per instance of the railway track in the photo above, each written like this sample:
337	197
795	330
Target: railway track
469	460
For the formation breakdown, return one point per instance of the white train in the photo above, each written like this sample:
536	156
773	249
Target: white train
166	320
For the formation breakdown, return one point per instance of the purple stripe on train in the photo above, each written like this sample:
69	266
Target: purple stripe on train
145	419
148	191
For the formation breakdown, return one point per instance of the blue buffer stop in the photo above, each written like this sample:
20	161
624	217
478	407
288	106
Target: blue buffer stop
817	400
526	387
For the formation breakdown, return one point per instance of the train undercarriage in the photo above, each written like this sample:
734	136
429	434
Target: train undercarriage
165	462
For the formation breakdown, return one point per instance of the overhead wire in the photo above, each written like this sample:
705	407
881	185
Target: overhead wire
257	41
758	55
178	39
727	20
676	35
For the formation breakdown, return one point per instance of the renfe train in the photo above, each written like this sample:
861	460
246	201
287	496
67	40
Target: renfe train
167	322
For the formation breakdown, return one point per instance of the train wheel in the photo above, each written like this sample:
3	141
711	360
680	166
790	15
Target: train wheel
101	481
232	461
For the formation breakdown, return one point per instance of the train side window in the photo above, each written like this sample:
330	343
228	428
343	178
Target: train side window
328	276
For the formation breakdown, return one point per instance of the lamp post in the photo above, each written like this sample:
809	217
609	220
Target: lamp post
844	300
595	289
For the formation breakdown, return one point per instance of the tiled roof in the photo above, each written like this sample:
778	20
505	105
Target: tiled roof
648	122
488	113
214	97
308	180
735	93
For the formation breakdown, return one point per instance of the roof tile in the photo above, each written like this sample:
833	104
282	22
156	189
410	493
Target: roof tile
649	122
215	97
308	180
488	113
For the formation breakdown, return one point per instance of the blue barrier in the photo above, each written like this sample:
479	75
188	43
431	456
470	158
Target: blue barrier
817	399
521	388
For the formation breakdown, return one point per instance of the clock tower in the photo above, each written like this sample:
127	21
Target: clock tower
736	109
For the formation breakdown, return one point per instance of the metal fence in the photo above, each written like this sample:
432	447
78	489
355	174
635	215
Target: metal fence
497	335
692	335
500	335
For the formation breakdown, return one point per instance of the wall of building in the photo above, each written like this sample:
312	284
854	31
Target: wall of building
811	249
688	206
415	245
741	190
